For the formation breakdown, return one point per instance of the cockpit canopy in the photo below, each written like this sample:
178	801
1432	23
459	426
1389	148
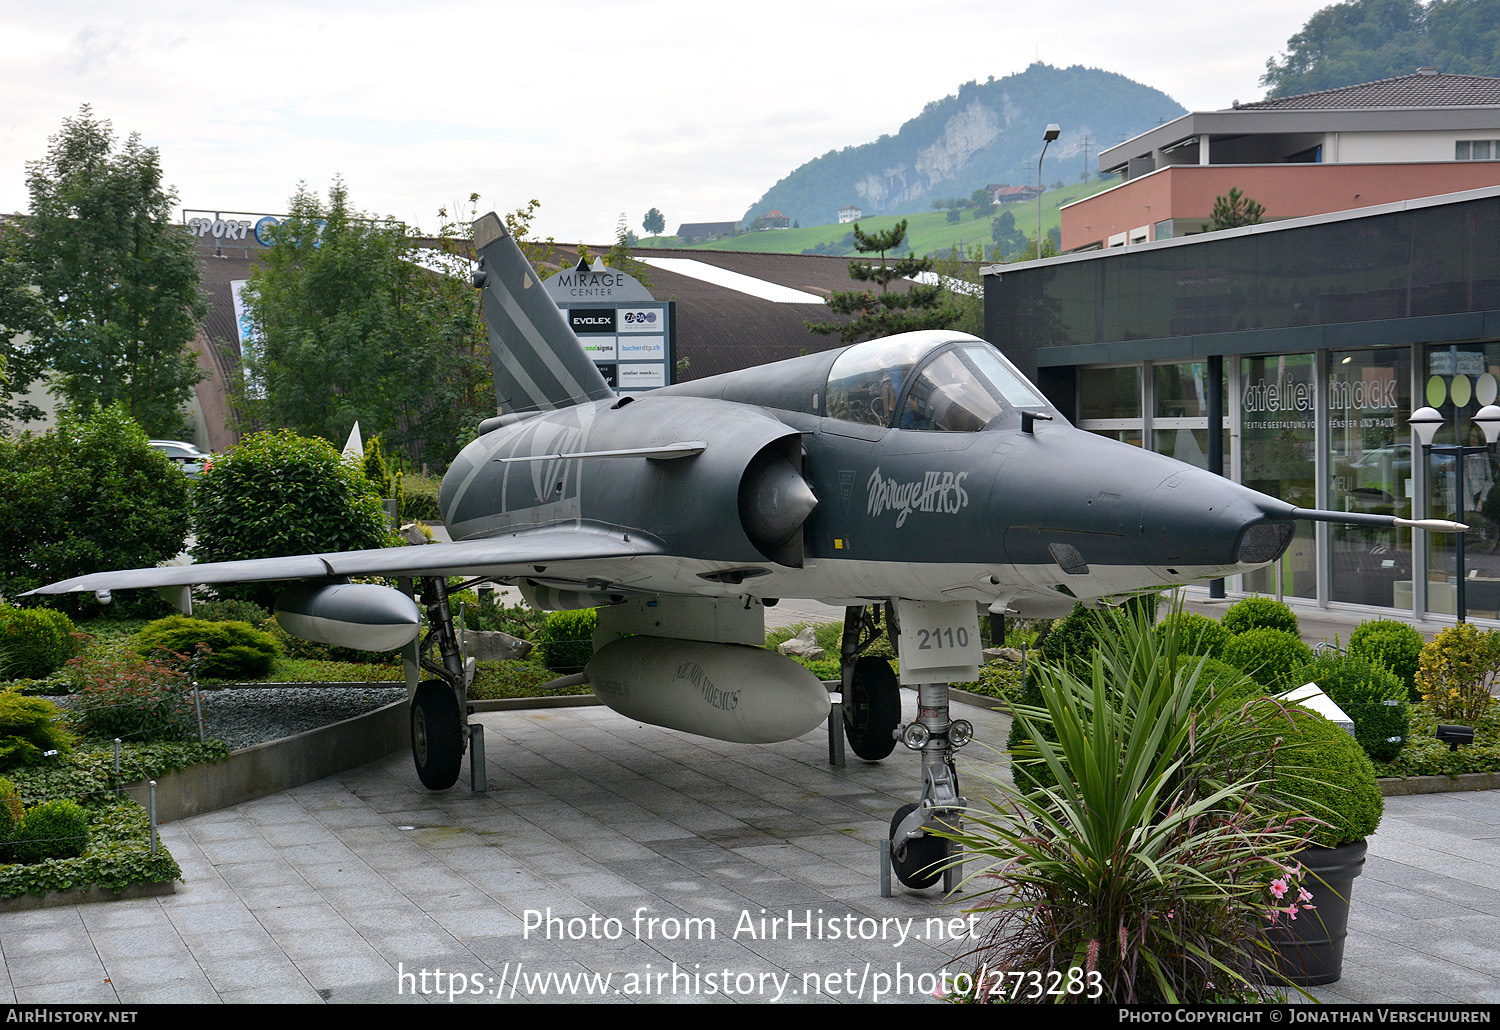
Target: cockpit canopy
940	382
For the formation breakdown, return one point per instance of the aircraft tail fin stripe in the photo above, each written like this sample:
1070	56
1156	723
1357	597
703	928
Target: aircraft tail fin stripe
539	363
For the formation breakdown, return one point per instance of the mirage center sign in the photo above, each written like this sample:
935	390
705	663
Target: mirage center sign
627	333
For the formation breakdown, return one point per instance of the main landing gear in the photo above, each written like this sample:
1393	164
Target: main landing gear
948	637
439	707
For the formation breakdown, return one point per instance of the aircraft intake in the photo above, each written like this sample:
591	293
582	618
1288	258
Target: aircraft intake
725	691
774	502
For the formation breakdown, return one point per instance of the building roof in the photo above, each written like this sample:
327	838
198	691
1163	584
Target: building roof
707	228
1421	89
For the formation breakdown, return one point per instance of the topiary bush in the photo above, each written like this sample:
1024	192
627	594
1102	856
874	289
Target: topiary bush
34	642
228	650
1259	613
1073	639
87	496
116	693
1370	694
1319	770
1196	634
1456	671
1393	644
1231	683
277	494
53	829
29	729
1268	656
567	640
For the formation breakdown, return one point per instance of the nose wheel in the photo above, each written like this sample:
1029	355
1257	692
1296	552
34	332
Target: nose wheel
917	862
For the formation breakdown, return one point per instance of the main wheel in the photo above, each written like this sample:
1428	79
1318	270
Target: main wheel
437	741
916	861
872	708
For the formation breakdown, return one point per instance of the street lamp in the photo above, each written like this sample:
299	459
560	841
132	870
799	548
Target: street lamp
1425	422
1047	137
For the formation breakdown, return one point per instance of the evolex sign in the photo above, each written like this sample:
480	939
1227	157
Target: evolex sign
627	332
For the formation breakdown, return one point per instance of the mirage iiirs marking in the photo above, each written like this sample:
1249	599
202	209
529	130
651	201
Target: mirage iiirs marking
681	512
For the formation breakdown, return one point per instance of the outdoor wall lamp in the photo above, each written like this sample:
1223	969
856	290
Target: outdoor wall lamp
1425	422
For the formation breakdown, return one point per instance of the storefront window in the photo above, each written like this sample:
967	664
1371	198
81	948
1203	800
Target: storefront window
1179	413
1277	413
1106	393
1459	380
1370	470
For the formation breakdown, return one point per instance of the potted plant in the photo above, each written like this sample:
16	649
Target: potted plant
1320	771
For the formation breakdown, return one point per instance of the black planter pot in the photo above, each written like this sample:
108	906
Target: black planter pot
1310	949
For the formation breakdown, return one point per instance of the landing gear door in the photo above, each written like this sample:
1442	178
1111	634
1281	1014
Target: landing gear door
940	641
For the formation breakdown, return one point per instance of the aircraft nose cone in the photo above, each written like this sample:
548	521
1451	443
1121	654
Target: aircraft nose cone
774	502
1195	518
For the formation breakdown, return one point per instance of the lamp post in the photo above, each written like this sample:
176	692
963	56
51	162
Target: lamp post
1047	137
1425	422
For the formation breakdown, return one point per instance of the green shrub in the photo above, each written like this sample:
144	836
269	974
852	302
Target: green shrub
567	640
116	693
29	729
229	650
1320	771
1259	613
1370	694
1456	671
483	612
34	642
11	811
1075	638
1231	682
1393	644
1268	656
1196	634
280	493
87	496
419	500
53	829
231	610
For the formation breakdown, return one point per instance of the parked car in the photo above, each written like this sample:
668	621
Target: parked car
184	455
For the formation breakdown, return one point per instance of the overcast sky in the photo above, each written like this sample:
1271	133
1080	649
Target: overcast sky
593	108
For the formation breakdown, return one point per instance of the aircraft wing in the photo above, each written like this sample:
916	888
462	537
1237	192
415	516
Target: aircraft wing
511	554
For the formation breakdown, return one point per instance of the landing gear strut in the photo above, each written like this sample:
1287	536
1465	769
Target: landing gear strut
439	719
940	640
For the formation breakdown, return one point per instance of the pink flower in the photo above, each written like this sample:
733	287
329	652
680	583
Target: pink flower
1303	896
1292	911
1278	888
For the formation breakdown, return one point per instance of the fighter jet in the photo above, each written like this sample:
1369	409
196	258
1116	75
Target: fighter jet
918	477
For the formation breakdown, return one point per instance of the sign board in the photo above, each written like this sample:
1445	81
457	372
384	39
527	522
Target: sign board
627	333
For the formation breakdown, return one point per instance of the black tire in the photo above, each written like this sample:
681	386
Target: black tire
916	863
437	735
872	708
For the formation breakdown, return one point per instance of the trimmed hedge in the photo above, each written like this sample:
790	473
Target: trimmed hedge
1269	656
53	829
1393	644
1259	613
1370	694
1319	770
567	640
34	642
231	650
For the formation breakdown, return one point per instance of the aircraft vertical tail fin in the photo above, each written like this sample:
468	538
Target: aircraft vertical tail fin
539	363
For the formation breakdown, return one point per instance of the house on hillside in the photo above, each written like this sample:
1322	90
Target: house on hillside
1002	193
697	232
773	219
1419	135
850	213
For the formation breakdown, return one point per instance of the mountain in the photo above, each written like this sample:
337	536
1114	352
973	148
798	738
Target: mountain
988	133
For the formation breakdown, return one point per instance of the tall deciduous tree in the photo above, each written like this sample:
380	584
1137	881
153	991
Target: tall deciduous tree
920	306
116	276
21	313
655	223
356	325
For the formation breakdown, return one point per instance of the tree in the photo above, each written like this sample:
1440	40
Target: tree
21	312
619	255
881	314
1234	210
87	496
357	325
116	276
1363	40
280	493
1006	237
655	223
963	288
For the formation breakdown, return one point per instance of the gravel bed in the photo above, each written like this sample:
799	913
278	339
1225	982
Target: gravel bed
245	716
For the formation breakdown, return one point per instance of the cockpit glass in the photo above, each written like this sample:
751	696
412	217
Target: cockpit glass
949	398
1012	387
867	379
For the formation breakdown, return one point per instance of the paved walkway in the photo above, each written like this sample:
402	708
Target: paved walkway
349	888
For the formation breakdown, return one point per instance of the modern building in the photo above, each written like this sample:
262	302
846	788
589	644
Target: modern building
1335	150
1289	356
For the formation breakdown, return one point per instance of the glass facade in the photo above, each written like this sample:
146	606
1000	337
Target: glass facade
1278	420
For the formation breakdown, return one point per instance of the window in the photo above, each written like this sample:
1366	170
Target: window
1476	150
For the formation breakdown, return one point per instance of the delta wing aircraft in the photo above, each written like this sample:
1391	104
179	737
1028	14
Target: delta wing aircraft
919	476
